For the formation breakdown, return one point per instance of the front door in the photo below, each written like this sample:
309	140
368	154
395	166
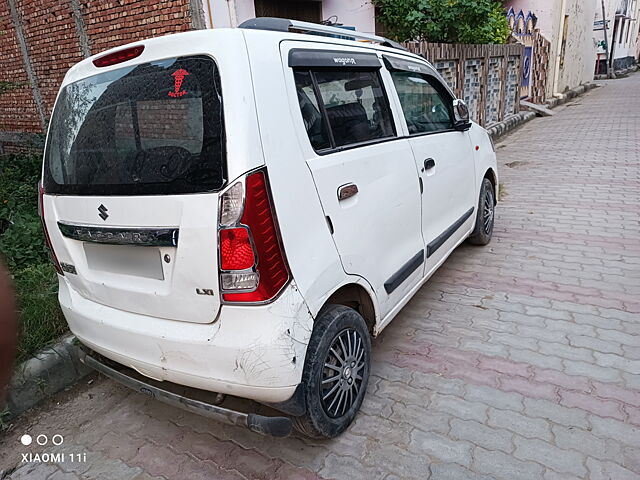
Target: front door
444	159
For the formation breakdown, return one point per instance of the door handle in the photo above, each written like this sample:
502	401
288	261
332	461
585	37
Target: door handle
429	163
347	191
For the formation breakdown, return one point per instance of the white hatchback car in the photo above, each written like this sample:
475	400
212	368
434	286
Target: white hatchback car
239	210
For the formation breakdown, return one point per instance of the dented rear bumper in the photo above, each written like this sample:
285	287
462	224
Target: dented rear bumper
276	426
252	352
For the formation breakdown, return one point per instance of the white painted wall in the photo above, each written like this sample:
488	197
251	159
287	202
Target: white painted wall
579	55
354	13
245	10
229	13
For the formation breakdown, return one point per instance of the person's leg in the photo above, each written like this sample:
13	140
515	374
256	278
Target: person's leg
8	331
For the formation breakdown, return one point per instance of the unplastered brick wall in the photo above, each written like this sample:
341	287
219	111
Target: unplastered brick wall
17	105
42	39
113	23
50	36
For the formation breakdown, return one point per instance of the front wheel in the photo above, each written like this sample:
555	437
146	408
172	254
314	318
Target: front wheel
336	372
483	230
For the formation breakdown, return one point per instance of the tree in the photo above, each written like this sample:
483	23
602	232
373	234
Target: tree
444	21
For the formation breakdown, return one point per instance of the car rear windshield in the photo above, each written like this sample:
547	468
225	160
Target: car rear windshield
155	128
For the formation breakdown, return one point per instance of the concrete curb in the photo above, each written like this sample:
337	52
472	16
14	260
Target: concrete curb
502	128
49	371
571	94
622	72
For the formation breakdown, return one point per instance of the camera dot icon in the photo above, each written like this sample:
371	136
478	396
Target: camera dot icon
26	439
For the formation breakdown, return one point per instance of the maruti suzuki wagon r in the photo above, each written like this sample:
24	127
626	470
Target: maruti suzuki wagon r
238	211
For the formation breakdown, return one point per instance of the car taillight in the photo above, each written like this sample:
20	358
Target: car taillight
47	240
119	56
253	267
236	252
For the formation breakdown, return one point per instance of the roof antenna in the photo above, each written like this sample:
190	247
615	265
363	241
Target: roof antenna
330	22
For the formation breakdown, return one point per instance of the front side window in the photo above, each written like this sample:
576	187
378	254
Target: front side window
155	128
426	108
343	107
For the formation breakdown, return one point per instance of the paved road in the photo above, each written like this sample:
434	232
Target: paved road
517	361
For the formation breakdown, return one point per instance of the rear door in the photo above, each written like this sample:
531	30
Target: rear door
364	174
443	157
133	163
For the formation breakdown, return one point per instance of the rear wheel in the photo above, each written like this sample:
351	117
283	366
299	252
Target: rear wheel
336	372
483	230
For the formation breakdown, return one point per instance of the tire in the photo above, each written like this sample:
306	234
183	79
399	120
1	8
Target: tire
339	334
485	218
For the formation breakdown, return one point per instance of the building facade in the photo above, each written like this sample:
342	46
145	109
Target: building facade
568	25
230	13
622	32
354	13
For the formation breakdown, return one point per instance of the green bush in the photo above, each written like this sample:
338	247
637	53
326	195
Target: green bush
444	21
23	248
21	239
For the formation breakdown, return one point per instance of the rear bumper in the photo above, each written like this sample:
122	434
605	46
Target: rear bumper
276	426
252	352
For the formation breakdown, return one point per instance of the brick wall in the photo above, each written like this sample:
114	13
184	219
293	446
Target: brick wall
42	39
17	106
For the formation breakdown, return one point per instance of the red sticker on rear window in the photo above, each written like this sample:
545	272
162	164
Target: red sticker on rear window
178	77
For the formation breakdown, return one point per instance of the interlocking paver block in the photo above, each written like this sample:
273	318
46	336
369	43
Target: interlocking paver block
33	471
440	447
555	413
494	398
608	471
504	466
338	467
458	407
559	460
520	424
481	435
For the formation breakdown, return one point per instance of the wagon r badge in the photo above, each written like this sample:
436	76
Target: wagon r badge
103	212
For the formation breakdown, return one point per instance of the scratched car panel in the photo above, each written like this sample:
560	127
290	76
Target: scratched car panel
239	211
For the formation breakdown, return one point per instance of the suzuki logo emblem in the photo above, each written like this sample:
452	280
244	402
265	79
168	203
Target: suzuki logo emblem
103	212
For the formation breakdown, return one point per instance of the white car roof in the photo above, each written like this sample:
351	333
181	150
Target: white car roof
206	41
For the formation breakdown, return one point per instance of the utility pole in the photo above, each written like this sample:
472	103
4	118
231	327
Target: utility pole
610	73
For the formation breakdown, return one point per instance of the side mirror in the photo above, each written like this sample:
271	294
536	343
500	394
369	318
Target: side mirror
461	115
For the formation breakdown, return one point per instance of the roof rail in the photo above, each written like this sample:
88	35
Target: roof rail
285	25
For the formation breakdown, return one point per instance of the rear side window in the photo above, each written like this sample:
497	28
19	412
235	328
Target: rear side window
314	122
343	107
426	106
155	128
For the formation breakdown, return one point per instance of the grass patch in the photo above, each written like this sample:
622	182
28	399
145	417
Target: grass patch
23	250
41	320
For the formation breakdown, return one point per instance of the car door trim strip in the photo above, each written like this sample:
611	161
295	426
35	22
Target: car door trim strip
401	275
444	236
